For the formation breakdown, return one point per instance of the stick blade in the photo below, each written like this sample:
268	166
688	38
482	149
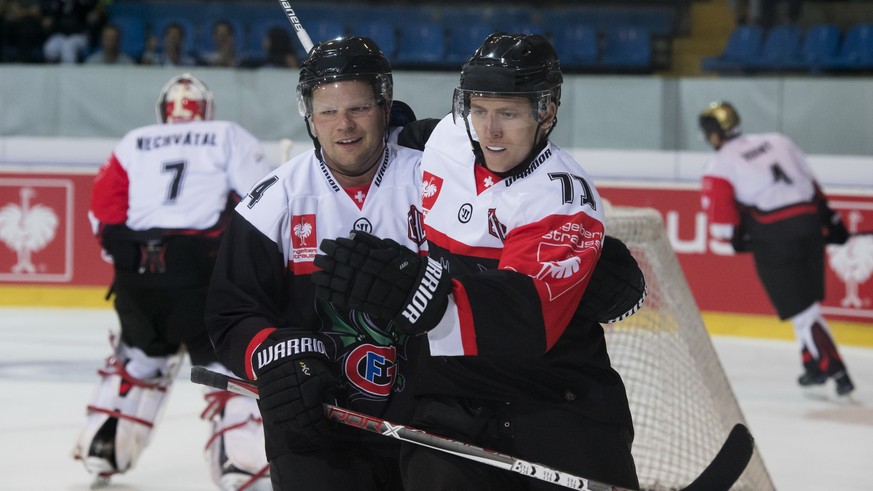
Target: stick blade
729	464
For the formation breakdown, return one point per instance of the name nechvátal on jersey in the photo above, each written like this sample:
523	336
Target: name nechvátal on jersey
186	166
300	204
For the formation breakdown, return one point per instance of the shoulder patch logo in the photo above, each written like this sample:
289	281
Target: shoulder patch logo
430	190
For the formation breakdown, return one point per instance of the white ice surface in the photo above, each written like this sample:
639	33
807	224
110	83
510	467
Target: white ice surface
48	359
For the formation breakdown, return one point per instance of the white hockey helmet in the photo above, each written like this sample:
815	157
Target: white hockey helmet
185	98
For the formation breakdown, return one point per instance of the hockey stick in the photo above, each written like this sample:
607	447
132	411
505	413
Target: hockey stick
298	27
720	474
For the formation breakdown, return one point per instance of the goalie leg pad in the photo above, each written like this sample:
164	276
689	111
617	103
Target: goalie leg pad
235	450
127	404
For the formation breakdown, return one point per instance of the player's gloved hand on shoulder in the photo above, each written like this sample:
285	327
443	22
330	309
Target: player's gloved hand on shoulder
617	288
384	279
294	377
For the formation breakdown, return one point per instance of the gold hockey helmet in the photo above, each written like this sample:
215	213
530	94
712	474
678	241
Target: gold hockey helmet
720	117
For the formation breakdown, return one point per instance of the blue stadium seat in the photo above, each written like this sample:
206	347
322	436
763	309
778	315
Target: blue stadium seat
781	45
743	45
819	43
420	44
465	39
627	48
133	34
577	45
381	31
856	51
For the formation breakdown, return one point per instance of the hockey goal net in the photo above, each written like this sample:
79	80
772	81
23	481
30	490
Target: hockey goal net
682	404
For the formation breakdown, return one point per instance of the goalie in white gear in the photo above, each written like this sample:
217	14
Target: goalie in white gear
159	207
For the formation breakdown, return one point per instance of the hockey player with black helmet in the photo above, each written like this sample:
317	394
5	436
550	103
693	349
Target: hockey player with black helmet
760	194
511	360
263	316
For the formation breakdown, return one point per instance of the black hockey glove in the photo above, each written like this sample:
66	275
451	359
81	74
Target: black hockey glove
294	378
836	229
384	279
617	288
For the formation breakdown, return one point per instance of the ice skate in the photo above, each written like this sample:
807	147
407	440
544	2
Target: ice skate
844	384
812	378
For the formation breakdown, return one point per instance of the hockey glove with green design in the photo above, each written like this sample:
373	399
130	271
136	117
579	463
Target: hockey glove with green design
384	279
294	378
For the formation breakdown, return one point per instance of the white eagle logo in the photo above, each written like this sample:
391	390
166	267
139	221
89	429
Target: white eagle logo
560	269
302	231
428	188
27	228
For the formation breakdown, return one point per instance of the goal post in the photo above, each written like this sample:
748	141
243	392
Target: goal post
680	398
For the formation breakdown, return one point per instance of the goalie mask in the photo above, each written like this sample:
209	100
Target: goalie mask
349	58
720	118
185	98
512	65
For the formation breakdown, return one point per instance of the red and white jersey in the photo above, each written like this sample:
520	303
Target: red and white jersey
301	203
546	223
764	175
176	176
520	250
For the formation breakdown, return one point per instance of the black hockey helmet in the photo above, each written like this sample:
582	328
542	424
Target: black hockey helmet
511	64
721	118
346	58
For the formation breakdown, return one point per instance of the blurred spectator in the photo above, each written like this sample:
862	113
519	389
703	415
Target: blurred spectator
278	52
71	26
21	32
766	13
224	40
110	49
172	52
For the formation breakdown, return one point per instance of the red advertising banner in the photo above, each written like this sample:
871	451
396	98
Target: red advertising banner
723	281
45	239
45	236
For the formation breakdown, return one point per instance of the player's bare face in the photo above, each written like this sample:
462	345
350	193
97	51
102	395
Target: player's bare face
349	125
506	128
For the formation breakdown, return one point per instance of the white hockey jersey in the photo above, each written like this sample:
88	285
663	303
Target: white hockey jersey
176	176
262	275
763	179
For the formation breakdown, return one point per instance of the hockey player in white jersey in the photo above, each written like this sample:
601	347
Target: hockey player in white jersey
512	359
262	313
761	195
159	207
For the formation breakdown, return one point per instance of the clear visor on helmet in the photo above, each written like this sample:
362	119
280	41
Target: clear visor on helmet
353	96
350	99
500	109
